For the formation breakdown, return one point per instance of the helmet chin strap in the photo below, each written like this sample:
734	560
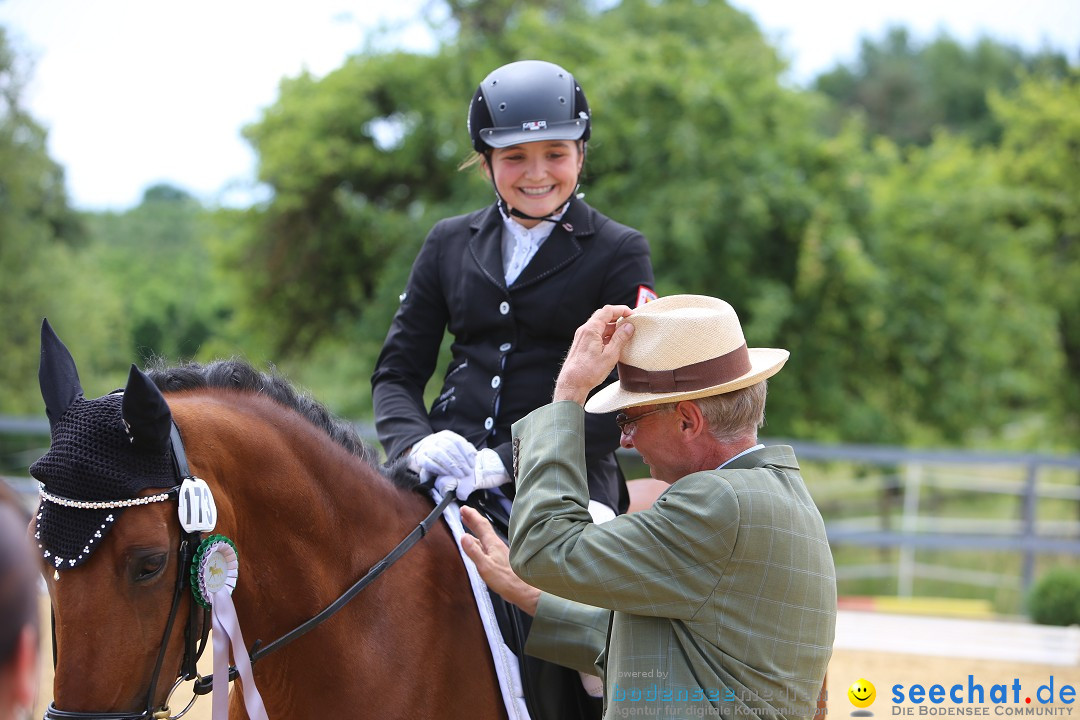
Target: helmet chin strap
546	218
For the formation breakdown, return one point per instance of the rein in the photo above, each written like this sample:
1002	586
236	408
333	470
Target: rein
205	684
188	671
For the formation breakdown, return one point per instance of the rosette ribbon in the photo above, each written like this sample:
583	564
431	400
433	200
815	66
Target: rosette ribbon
214	573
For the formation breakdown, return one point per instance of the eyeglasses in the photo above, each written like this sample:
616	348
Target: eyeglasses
627	425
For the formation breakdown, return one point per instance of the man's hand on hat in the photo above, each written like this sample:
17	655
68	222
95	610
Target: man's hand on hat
595	351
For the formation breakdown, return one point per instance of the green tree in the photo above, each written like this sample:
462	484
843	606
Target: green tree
906	280
908	89
155	256
352	160
1041	150
363	160
41	240
954	338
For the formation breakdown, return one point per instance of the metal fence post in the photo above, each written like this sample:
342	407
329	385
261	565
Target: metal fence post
1029	502
909	526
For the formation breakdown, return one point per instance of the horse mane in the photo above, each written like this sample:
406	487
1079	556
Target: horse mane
236	374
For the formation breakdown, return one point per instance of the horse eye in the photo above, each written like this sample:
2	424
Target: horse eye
148	567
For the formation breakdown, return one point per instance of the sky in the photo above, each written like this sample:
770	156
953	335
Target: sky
135	92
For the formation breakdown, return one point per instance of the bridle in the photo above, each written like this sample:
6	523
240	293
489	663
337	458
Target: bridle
198	626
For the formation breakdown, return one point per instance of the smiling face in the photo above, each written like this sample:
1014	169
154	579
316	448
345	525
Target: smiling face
862	693
536	178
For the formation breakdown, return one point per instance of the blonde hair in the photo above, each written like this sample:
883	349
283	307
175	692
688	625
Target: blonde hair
474	158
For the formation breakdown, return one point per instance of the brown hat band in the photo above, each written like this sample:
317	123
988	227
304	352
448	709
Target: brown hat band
701	375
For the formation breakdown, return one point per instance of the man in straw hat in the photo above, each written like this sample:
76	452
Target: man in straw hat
723	592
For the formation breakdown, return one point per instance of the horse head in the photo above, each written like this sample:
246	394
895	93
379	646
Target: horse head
107	456
309	511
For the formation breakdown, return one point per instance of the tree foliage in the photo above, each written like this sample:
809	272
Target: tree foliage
118	287
1041	154
899	277
909	233
908	89
362	161
352	158
155	257
936	305
40	239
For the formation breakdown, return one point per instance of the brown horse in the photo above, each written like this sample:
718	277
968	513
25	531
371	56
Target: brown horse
309	512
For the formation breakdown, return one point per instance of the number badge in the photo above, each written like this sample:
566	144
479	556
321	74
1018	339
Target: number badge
198	513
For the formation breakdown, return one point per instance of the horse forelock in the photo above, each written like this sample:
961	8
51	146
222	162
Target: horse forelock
235	374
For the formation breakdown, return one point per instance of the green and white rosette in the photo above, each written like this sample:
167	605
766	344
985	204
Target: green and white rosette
216	567
214	572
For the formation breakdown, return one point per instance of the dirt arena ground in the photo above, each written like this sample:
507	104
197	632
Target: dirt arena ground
883	668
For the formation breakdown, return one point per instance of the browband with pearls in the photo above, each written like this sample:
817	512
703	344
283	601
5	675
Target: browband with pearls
105	504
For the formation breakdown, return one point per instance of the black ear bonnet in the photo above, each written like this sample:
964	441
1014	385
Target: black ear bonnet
104	453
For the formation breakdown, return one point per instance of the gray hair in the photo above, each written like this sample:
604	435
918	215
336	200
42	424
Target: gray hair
735	415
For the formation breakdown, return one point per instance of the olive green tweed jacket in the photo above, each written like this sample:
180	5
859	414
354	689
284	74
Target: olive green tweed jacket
718	600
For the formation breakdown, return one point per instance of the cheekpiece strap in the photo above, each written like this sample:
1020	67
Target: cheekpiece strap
179	456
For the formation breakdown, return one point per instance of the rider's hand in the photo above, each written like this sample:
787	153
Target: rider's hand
444	453
488	472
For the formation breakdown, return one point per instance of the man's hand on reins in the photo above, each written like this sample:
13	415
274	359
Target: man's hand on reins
492	559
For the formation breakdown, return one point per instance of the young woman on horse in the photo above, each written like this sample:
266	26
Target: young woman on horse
510	282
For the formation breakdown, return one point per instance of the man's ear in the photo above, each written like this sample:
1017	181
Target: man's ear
691	419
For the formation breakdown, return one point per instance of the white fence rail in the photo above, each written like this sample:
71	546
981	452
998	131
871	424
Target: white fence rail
908	484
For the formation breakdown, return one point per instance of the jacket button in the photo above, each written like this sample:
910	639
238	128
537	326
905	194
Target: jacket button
505	347
504	307
496	381
489	423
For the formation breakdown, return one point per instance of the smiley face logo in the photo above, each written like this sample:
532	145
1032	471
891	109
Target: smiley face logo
862	693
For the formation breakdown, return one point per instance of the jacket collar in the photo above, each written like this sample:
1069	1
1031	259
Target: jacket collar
772	455
561	248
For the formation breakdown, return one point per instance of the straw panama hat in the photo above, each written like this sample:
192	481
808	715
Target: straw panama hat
684	347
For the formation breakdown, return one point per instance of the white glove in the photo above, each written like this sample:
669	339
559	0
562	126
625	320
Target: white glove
442	453
488	472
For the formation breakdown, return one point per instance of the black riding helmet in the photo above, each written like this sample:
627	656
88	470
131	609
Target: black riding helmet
526	101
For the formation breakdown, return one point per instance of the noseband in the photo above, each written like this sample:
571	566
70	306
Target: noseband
198	627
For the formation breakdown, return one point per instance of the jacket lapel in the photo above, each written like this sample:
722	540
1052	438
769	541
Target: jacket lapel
485	246
561	248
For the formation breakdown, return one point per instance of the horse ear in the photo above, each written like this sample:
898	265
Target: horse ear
145	411
57	375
